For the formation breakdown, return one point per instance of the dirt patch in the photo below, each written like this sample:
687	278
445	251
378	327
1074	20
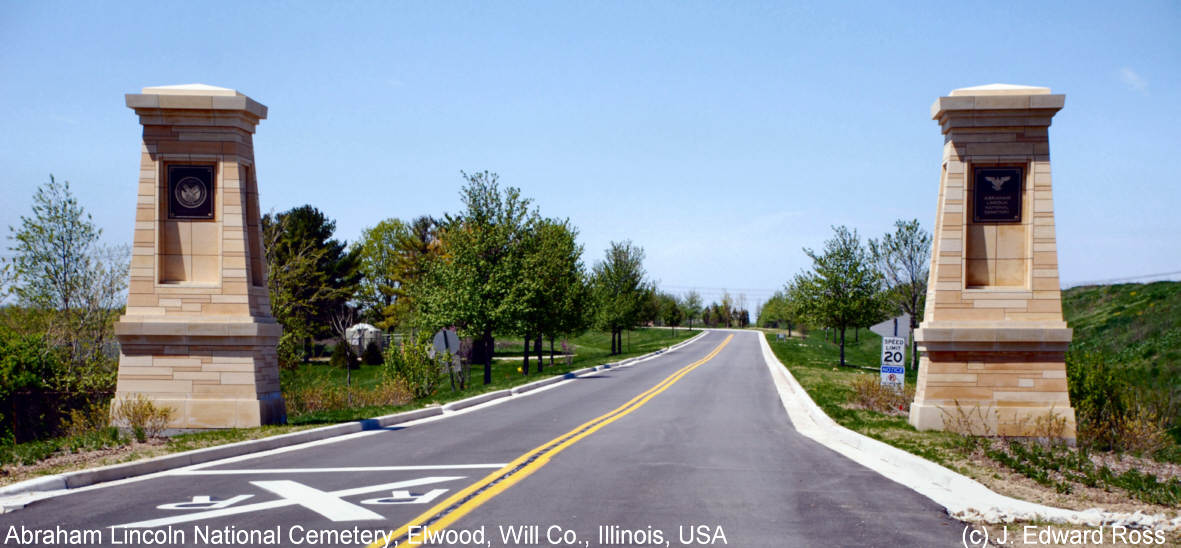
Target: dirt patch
1003	480
1120	463
65	462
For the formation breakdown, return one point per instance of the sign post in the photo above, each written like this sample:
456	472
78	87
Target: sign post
893	372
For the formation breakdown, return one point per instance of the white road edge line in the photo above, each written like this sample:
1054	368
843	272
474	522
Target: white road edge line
963	497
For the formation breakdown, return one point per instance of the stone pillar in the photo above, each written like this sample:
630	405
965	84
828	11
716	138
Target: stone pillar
198	335
992	337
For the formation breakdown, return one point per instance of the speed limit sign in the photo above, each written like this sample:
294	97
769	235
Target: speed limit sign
893	351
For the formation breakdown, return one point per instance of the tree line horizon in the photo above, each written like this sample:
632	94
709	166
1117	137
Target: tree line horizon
496	268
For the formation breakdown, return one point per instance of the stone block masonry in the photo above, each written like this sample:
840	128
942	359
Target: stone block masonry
993	338
197	334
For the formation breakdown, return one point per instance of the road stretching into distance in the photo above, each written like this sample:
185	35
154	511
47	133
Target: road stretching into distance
689	448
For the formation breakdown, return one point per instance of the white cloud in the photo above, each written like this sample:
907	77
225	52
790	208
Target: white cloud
1134	81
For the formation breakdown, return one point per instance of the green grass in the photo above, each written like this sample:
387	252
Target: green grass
591	348
1138	325
813	361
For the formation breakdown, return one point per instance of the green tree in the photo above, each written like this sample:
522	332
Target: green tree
414	252
904	259
620	290
671	311
377	262
843	289
470	284
775	312
650	309
550	290
691	307
311	276
724	314
60	271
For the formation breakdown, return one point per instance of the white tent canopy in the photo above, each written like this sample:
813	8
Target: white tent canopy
360	335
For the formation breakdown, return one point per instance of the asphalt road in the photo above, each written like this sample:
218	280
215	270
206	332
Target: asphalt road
689	448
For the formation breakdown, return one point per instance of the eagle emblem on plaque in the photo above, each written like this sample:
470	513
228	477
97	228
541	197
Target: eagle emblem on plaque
190	192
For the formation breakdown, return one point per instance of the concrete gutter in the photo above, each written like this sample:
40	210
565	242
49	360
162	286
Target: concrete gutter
963	497
18	494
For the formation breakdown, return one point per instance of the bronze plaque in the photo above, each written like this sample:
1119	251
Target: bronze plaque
190	192
997	195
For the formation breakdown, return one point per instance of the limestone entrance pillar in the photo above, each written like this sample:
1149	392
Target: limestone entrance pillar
992	337
198	335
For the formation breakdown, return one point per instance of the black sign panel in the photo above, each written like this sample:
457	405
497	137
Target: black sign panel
997	195
190	192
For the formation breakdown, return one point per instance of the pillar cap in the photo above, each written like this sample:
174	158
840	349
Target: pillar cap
192	89
1000	89
1001	100
194	97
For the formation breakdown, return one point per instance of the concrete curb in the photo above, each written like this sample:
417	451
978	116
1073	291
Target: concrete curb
83	478
91	476
476	400
963	497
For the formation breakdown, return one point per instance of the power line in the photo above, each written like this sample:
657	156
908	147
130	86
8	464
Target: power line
1126	279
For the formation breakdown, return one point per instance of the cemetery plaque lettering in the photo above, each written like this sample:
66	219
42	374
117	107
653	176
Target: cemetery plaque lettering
997	195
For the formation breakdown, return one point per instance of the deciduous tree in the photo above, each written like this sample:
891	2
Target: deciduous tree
620	290
692	307
60	270
550	291
904	259
470	284
843	288
378	261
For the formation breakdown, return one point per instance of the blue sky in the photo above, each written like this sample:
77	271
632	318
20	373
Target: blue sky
722	137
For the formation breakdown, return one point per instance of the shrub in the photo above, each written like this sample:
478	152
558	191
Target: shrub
90	418
1097	393
869	393
290	349
1142	431
1110	415
315	397
411	364
372	354
342	356
92	440
144	418
26	363
389	392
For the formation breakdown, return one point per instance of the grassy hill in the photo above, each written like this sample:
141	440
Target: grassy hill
1138	325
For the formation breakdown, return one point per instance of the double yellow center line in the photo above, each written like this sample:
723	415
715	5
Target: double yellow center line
464	501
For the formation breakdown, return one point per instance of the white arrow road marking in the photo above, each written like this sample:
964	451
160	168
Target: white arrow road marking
325	504
204	503
404	497
161	522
